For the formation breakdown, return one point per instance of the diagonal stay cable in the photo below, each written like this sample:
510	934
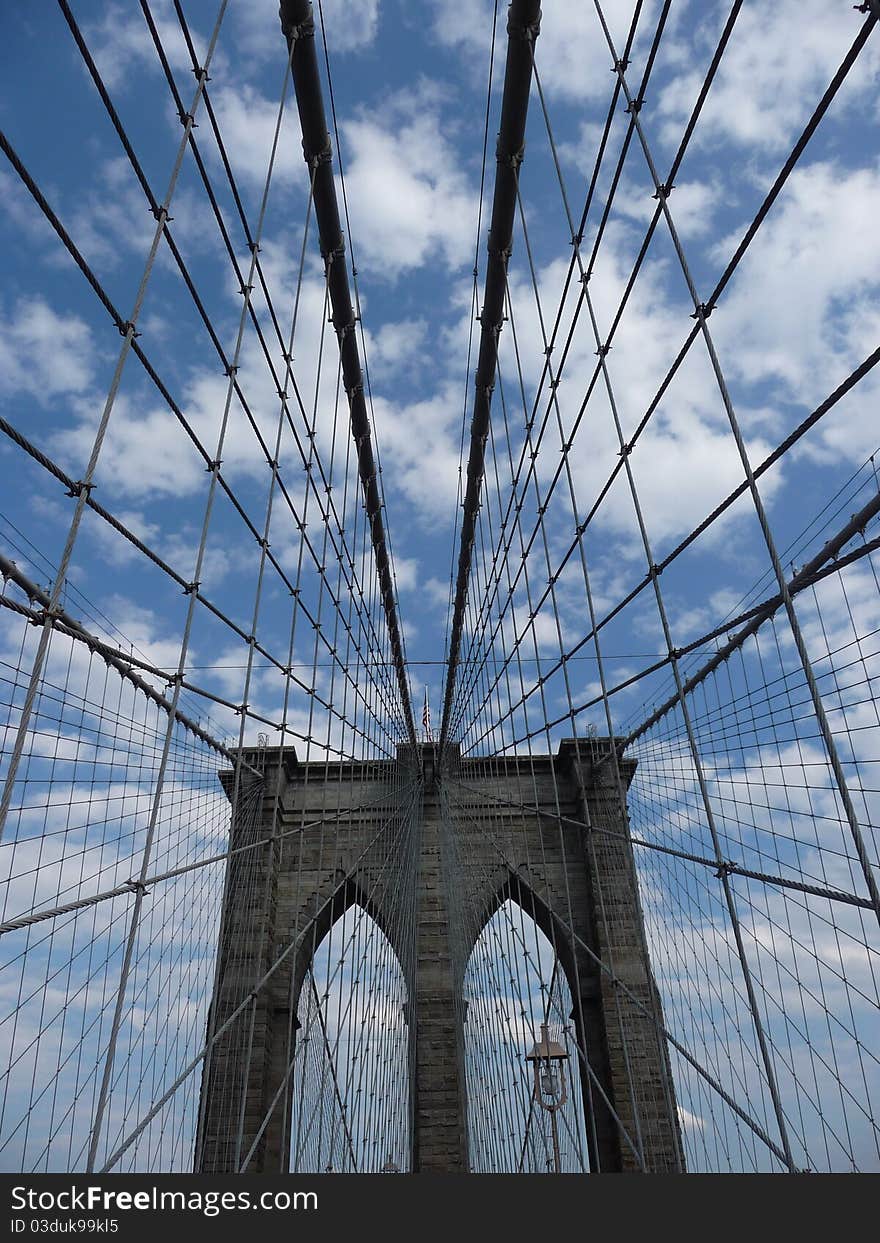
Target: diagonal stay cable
280	383
290	947
735	869
702	310
80	490
123	664
829	560
128	331
748	236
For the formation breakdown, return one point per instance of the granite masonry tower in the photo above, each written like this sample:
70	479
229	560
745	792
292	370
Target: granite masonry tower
578	884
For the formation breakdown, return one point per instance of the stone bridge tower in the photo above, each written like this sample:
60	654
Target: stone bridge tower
578	885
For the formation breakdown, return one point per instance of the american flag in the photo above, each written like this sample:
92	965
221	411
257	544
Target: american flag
426	719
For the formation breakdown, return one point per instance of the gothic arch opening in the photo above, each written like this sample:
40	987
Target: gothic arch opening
517	996
350	1098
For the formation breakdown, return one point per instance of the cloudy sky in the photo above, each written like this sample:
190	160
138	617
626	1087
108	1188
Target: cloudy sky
409	84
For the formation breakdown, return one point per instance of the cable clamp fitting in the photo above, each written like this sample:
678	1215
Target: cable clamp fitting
45	615
303	30
527	33
663	191
703	311
137	886
513	160
500	252
78	487
324	156
332	254
725	869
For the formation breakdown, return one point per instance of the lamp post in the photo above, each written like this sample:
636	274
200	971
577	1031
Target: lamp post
548	1060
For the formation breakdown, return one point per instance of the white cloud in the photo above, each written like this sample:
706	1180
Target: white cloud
436	592
691	204
121	42
802	310
420	451
694	202
143	630
686	460
349	27
146	451
43	353
28	223
571	52
406	573
582	150
393	348
247	120
410	202
114	217
690	1121
777	65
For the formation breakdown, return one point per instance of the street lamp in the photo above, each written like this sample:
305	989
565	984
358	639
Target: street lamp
548	1060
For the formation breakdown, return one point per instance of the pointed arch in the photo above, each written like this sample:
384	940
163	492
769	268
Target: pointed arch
515	981
350	1094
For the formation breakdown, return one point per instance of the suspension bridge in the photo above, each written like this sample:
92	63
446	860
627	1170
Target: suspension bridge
258	914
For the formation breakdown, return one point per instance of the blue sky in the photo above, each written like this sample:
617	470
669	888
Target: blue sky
410	85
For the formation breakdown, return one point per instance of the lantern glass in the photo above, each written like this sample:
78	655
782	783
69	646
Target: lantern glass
549	1082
